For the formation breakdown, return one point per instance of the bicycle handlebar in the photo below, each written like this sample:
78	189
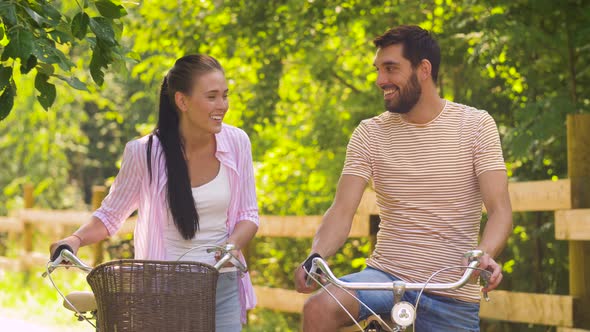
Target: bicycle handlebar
228	256
64	253
472	255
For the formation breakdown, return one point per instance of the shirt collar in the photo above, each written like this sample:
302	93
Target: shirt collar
222	141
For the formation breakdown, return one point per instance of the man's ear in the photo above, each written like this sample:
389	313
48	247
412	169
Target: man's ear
180	100
424	70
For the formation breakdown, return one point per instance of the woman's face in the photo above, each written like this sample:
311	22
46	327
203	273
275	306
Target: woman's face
204	108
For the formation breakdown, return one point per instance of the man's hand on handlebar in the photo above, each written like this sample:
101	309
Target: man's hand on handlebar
489	264
486	262
302	284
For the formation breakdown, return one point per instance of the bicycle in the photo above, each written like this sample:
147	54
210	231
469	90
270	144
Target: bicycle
146	295
403	314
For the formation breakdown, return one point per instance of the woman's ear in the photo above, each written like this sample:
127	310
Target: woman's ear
180	100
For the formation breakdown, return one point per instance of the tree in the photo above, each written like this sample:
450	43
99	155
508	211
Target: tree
36	37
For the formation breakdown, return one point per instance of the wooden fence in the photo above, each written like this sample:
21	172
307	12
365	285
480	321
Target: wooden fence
569	199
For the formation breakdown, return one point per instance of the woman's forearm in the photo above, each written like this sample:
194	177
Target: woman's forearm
91	232
243	233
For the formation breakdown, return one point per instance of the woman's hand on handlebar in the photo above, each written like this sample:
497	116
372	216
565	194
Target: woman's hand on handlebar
72	241
235	253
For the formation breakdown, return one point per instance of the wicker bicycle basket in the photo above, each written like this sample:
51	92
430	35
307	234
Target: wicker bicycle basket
147	295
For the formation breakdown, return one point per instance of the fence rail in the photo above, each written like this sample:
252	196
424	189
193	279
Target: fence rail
568	198
543	309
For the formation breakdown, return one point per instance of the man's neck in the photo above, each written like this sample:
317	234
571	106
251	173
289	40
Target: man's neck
429	106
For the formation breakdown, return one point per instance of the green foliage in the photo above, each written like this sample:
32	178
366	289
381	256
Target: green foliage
35	35
301	78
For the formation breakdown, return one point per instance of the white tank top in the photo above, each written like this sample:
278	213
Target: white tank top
212	202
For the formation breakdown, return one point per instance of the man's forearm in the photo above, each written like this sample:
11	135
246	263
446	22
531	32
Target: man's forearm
332	233
496	232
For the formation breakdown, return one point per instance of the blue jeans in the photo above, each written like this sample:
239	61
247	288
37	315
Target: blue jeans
227	303
435	313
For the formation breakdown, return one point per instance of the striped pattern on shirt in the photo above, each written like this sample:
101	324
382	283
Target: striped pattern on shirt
425	178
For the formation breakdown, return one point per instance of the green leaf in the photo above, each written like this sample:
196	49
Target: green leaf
45	68
50	11
1	31
62	33
80	25
46	51
8	13
7	101
25	68
74	82
96	63
136	57
5	75
110	10
20	45
103	30
47	90
40	20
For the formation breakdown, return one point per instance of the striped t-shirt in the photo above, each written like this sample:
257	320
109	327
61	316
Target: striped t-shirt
425	178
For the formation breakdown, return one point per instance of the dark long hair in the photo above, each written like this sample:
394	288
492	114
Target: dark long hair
180	78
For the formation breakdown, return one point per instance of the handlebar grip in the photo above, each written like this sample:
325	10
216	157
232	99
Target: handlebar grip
57	253
309	267
237	263
308	280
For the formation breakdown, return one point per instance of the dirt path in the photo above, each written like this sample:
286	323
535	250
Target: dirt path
21	325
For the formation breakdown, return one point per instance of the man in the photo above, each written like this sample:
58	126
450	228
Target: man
432	163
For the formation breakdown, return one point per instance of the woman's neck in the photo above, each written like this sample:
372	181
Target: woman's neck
196	141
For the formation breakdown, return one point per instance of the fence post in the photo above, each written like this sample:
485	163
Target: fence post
98	194
578	160
29	201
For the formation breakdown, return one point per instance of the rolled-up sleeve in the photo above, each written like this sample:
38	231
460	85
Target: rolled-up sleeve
123	197
248	206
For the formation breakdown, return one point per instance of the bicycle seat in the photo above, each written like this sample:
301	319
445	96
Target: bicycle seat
83	301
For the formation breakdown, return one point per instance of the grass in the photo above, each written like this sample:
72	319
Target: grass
32	298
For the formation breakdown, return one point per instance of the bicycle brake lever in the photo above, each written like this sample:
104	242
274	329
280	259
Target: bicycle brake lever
310	267
56	258
485	275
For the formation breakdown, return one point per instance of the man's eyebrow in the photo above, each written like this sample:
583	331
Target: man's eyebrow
388	63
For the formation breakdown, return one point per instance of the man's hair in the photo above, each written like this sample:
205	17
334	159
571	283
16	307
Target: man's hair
418	44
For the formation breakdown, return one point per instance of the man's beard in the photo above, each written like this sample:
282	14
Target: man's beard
408	97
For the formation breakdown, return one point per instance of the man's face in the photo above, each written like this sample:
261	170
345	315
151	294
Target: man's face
397	79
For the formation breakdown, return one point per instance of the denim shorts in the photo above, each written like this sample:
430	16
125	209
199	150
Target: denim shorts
435	313
227	303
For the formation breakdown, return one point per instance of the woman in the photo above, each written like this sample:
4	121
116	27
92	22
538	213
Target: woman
192	182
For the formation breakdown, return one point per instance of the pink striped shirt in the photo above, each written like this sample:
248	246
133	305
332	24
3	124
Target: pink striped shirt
132	190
